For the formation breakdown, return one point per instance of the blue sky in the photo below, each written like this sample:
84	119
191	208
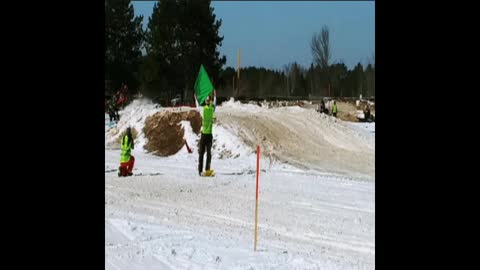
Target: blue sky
272	34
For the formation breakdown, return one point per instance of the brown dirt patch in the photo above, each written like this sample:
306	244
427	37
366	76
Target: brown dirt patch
164	133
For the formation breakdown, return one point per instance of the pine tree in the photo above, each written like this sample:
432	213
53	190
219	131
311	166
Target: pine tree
123	41
181	36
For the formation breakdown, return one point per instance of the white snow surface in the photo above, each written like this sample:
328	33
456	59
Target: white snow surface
315	216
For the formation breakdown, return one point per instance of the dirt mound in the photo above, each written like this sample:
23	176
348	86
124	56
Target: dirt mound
164	134
347	116
303	138
195	120
346	106
347	111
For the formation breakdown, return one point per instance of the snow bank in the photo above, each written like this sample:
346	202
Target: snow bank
237	105
291	135
228	145
134	116
301	137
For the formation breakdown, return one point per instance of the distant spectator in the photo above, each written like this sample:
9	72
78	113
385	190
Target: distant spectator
367	113
334	109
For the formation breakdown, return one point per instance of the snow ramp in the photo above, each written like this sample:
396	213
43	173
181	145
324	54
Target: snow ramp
301	137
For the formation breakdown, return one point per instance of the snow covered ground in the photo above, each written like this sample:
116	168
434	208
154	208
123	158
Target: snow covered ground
320	215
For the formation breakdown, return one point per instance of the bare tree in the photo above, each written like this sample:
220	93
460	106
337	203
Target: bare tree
320	46
321	52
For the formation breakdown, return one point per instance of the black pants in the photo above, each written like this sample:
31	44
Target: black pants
112	115
205	144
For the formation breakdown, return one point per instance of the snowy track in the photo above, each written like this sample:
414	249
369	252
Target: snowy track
315	222
308	218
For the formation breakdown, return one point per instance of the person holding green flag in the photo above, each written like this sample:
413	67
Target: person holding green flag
203	90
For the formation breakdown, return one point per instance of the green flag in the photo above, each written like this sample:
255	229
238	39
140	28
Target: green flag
203	86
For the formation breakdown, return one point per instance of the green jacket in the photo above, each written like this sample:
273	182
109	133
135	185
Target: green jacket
207	121
127	146
334	109
208	115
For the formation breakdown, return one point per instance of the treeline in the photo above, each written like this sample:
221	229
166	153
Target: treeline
180	36
163	60
297	81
